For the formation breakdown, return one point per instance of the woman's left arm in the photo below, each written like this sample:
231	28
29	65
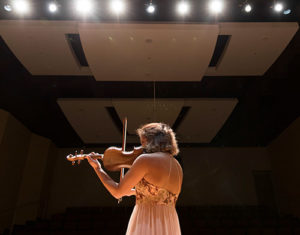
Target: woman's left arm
131	178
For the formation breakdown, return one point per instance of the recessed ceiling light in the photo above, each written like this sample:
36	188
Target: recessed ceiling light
278	7
52	7
288	11
21	6
216	6
117	6
150	8
7	7
248	8
183	8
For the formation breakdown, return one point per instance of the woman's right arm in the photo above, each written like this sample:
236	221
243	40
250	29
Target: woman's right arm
131	178
131	192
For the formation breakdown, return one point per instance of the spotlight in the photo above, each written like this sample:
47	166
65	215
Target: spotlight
21	6
52	7
248	8
84	6
288	11
117	6
150	8
183	8
7	7
278	7
216	6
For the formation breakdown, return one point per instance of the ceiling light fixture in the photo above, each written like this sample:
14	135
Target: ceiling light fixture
216	6
278	7
84	6
183	8
52	7
21	6
117	6
248	8
287	11
7	7
150	8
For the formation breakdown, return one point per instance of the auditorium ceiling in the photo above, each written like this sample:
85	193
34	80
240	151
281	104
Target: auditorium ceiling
226	83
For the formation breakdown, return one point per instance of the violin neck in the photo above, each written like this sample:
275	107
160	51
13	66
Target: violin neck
97	156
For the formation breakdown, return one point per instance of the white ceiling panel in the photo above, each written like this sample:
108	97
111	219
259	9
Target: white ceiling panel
90	120
204	119
42	47
93	124
252	47
148	52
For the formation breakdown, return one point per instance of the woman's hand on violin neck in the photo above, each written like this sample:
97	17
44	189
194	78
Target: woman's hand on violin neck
93	162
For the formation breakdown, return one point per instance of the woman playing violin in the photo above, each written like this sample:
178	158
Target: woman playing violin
155	179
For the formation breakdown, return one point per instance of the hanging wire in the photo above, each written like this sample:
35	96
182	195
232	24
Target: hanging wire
154	102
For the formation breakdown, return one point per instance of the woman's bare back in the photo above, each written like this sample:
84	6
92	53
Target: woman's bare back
164	171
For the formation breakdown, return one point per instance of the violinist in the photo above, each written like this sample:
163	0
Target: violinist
155	178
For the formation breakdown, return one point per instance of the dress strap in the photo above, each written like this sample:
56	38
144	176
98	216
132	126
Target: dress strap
178	171
179	177
170	168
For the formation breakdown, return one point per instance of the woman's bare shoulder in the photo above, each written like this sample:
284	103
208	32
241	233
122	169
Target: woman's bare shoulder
148	158
145	157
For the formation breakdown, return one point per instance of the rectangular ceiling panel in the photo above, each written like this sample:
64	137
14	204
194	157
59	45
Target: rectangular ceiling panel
90	120
93	123
42	47
148	52
204	119
252	48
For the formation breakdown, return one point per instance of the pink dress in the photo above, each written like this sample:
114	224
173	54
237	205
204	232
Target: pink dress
154	212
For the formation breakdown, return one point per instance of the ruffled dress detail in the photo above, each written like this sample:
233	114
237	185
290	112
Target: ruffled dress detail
154	212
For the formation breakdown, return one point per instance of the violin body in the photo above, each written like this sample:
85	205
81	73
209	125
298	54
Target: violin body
114	158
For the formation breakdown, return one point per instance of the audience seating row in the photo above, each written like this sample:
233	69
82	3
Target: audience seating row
217	220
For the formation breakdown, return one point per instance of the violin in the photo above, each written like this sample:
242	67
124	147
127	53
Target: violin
113	158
